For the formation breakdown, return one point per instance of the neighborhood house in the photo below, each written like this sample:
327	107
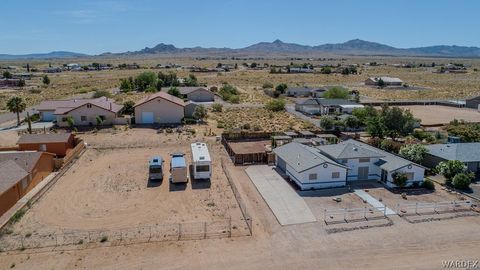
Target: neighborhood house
388	81
322	106
159	108
468	153
321	167
83	112
197	94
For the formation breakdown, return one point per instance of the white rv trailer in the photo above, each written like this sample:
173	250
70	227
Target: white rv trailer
202	163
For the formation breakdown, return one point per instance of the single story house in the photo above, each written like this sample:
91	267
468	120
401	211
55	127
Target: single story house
389	81
366	162
308	168
21	171
304	91
9	82
468	153
55	143
323	106
85	112
159	108
473	103
190	109
197	94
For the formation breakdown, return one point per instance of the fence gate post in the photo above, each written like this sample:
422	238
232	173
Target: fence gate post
365	213
384	211
435	207
204	230
230	227
416	208
325	214
345	214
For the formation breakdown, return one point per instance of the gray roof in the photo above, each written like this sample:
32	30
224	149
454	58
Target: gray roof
11	174
302	157
189	89
44	138
346	149
25	159
465	152
290	133
325	101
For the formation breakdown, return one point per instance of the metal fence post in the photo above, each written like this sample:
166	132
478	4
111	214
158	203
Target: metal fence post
416	208
365	213
204	230
179	231
345	214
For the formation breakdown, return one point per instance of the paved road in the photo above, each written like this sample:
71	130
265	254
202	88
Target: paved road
287	206
291	109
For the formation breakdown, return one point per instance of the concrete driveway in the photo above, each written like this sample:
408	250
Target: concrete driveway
287	206
36	125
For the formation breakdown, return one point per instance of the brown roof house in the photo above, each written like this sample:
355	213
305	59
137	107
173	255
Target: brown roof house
159	108
85	112
197	94
20	172
55	143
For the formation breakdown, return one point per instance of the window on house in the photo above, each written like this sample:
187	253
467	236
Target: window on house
102	117
64	119
343	161
312	176
89	105
42	147
364	160
83	118
335	175
410	175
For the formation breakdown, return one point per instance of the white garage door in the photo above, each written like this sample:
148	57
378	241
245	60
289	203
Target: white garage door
147	117
48	116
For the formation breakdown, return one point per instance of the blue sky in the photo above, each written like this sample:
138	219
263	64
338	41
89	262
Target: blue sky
93	27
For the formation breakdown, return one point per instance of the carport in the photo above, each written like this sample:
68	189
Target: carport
287	206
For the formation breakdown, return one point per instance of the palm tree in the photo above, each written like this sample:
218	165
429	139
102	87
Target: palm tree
16	105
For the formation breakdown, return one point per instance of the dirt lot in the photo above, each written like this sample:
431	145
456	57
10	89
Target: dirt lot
437	115
109	188
307	246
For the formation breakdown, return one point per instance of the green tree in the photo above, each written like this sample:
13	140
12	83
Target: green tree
327	122
381	83
414	152
365	113
352	122
400	179
145	80
397	121
326	70
128	107
46	80
200	112
191	80
229	93
462	180
375	127
99	120
174	92
126	85
16	105
336	92
281	88
70	122
450	168
7	75
276	105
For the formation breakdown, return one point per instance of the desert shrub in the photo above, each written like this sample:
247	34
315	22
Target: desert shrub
200	112
102	93
214	89
275	105
17	216
189	121
246	126
462	180
35	91
400	179
336	92
428	184
103	239
234	99
281	88
267	85
390	146
226	91
217	107
374	141
450	169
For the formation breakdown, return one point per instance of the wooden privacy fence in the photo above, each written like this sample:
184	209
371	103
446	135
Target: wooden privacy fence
434	208
340	215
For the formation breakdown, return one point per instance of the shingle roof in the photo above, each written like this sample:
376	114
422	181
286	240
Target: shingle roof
302	157
25	159
162	95
64	106
11	174
325	102
44	138
465	152
345	150
188	90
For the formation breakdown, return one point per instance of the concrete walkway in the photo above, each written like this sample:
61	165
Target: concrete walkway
373	202
287	206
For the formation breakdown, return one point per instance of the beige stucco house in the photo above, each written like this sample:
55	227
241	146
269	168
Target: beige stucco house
197	94
159	108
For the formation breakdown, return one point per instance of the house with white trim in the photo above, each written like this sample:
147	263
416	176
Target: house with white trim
365	162
308	168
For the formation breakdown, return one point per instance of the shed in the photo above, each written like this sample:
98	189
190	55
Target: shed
56	143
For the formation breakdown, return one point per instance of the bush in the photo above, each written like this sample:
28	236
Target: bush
102	93
390	146
400	179
217	107
267	85
103	239
336	92
234	99
428	184
17	216
462	180
189	121
281	88
276	105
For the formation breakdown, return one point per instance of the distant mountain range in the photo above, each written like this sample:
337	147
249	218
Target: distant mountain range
277	47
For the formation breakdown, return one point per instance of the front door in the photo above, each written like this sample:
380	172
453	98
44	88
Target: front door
362	173
384	176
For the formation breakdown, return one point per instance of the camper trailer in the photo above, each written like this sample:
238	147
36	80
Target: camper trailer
155	168
202	164
178	168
